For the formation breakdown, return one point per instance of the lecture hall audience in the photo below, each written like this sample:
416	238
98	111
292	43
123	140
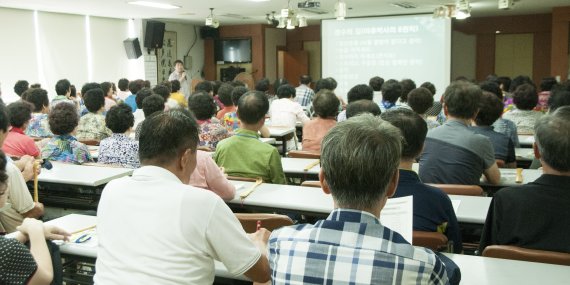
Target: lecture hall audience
326	108
92	125
17	143
39	126
420	100
119	149
525	99
357	92
211	130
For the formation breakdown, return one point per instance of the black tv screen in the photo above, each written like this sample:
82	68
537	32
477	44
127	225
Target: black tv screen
233	51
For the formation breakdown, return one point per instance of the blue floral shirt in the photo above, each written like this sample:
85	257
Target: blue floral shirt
66	148
39	126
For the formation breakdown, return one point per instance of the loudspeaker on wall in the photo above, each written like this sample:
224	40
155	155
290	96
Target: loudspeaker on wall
133	48
154	34
209	33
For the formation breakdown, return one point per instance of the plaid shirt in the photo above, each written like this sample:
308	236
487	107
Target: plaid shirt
350	247
304	95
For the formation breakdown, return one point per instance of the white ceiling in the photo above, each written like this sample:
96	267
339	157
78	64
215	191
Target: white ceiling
248	11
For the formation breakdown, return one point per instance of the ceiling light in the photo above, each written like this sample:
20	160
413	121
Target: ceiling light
340	10
282	23
462	9
154	5
211	21
290	24
302	22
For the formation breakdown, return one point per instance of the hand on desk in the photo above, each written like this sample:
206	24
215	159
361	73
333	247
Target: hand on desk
32	227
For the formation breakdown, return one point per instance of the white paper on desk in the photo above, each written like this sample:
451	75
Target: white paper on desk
398	215
74	222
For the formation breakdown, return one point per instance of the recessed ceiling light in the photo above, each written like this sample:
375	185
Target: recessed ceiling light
155	5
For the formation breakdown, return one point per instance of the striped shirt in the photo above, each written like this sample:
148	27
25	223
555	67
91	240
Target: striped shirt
304	95
350	247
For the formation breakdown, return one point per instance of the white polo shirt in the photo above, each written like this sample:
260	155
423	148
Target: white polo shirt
152	229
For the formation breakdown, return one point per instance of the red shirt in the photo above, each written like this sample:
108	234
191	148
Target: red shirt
18	144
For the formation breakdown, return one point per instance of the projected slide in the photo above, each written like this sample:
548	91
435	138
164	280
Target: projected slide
413	46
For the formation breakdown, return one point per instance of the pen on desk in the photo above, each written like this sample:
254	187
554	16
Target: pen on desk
258	225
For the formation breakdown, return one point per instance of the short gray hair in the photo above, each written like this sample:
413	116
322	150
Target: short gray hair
359	157
552	136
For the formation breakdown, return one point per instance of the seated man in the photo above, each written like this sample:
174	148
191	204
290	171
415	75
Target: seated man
155	229
433	211
21	204
244	154
357	92
453	154
356	108
351	245
535	215
490	109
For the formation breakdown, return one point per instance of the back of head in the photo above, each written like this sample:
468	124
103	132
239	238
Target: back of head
216	86
106	86
359	107
547	83
73	91
504	82
237	92
333	83
4	118
141	95
88	86
559	96
94	100
286	91
462	99
152	104
136	85
525	97
38	97
490	109
20	112
429	86
492	87
360	92
376	83
123	84
552	133
407	86
326	104
225	94
305	79
120	118
278	82
420	100
252	107
63	119
346	153
62	86
166	136
413	128
324	83
391	91
518	81
175	85
21	86
202	105
162	90
205	86
262	85
237	83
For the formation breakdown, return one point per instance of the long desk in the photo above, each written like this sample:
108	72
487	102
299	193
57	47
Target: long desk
524	154
474	269
311	200
526	140
280	133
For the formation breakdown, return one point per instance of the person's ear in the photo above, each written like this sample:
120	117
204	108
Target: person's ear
393	184
445	112
323	182
536	151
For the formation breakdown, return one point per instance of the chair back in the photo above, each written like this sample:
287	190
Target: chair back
90	142
268	221
238	178
457	189
304	154
311	183
525	254
432	240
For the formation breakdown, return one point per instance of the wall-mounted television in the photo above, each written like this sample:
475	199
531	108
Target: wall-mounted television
233	51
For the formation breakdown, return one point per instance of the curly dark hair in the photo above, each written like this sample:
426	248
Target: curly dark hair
38	97
202	105
120	118
21	86
63	118
175	85
162	90
94	100
152	104
141	95
205	86
286	91
20	112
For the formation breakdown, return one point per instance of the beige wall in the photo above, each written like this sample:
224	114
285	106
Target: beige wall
273	38
314	50
514	54
463	55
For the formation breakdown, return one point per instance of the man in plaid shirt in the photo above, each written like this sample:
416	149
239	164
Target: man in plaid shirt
303	93
359	167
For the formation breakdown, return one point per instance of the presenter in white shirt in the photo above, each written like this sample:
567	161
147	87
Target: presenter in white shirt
180	74
153	228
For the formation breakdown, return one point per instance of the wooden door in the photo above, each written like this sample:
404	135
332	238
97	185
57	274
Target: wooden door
296	63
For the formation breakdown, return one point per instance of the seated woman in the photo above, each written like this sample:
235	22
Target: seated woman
326	108
119	149
92	125
209	176
150	105
17	143
38	126
109	92
20	264
525	99
230	119
285	112
63	120
211	131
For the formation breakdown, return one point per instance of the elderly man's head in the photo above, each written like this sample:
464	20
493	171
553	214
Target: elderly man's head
252	107
552	133
461	99
359	162
169	140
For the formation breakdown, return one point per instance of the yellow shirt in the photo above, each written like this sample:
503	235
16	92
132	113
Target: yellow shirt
179	97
